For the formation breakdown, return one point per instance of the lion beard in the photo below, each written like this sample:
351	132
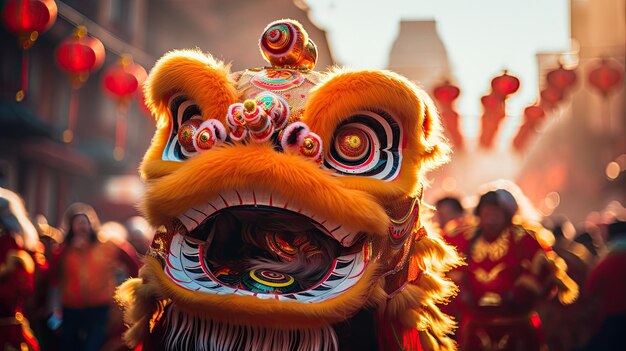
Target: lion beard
184	331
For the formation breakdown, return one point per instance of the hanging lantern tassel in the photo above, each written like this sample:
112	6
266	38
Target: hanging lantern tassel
533	117
120	130
68	133
493	115
21	94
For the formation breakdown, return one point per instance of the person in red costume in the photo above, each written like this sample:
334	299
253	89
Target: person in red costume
84	270
507	276
17	235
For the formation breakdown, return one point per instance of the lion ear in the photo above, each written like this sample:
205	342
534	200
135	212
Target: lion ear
435	149
195	74
200	78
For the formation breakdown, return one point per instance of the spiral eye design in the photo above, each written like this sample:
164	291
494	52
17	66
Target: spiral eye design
367	144
353	144
279	38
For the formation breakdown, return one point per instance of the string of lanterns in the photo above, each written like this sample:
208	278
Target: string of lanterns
604	77
78	55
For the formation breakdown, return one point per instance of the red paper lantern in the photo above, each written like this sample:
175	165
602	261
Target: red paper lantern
445	94
605	77
124	79
561	78
534	114
79	55
505	84
551	95
492	102
29	18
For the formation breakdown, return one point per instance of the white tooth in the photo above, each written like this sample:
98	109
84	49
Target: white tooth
351	238
197	214
231	198
308	213
265	296
263	197
278	201
247	196
188	222
216	204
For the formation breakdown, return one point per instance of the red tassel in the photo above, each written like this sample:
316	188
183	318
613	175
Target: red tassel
120	131
68	134
21	94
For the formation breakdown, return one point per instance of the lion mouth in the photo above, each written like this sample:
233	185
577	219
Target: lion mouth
257	245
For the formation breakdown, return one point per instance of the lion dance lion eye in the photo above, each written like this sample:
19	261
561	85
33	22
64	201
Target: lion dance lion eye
367	144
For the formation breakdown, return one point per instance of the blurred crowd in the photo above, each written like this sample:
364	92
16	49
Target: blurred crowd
533	283
57	284
529	283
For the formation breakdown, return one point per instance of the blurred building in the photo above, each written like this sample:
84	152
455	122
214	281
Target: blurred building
419	54
51	174
567	169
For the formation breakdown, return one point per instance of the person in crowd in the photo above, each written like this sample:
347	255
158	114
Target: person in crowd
450	214
606	283
452	220
507	276
18	238
566	326
85	271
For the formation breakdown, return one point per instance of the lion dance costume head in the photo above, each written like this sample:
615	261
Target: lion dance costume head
288	204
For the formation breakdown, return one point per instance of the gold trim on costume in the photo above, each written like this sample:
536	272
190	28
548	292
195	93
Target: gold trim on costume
494	250
490	299
486	277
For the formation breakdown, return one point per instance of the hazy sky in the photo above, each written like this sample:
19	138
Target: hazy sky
482	37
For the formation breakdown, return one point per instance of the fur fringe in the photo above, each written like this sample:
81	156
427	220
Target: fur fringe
188	332
141	309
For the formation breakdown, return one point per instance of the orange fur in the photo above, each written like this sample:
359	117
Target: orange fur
298	180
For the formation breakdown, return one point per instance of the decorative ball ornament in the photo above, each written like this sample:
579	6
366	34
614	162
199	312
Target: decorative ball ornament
79	55
187	134
275	107
606	76
29	18
259	124
561	78
312	147
505	84
209	134
446	93
125	78
235	122
285	44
